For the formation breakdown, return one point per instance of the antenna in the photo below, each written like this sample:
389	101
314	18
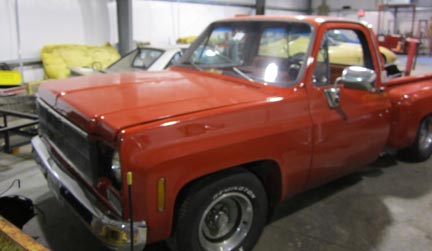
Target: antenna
129	183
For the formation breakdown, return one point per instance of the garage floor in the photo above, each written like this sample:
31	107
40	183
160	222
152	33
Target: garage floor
386	206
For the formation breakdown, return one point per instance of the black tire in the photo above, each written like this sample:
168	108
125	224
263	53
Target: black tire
215	207
421	149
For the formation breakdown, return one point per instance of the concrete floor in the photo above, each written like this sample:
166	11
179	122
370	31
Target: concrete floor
386	206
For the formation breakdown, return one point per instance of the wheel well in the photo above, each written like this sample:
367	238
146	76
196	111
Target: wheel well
267	171
421	118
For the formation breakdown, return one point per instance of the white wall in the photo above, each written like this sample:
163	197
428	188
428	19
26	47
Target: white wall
292	4
52	21
371	15
8	49
282	13
227	2
95	21
367	4
355	5
424	3
387	19
164	22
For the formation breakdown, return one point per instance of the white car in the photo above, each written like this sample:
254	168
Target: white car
146	58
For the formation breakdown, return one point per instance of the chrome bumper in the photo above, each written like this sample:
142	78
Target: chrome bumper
114	233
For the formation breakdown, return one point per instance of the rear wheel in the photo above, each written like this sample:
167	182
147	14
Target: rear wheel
421	148
222	213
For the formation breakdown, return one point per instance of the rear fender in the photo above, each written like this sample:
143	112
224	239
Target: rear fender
408	111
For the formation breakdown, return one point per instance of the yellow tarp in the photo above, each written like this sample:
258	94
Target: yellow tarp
186	40
57	58
10	78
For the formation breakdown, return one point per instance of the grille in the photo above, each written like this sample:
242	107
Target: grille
71	141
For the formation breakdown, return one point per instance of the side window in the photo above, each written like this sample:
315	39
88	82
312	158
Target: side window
339	49
284	50
174	59
322	68
146	57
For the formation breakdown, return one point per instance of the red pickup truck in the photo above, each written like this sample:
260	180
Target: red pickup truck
257	110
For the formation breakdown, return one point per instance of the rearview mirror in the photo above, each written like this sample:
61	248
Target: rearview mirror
356	77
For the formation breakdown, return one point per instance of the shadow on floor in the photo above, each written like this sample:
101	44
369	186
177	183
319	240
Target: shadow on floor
64	231
348	214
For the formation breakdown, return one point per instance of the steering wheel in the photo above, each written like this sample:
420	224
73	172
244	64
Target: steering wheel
295	64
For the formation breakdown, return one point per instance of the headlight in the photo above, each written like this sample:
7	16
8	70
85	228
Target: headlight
116	168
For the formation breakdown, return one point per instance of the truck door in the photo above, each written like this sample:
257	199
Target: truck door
354	132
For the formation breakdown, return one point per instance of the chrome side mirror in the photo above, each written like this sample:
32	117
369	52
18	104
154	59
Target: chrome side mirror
356	77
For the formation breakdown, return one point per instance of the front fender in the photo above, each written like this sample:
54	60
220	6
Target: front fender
186	149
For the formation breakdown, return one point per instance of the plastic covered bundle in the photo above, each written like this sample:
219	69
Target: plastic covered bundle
57	58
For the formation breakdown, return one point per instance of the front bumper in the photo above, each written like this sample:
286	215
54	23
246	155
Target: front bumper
114	233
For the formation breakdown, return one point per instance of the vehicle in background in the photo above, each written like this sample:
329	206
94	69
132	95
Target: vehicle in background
390	34
344	36
345	52
146	58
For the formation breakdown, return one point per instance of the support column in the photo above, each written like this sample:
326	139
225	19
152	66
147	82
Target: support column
309	7
260	7
125	29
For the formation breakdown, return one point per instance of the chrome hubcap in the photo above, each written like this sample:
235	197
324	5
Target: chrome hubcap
425	135
225	222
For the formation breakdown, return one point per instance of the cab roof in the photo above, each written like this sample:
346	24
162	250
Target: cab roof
314	20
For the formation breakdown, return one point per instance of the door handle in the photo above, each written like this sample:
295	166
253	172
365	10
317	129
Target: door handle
333	97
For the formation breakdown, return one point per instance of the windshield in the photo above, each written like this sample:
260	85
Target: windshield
140	59
269	52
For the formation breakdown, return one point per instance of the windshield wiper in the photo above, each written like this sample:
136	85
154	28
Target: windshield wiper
244	75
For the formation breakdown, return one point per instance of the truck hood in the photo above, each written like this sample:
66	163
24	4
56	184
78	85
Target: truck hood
105	104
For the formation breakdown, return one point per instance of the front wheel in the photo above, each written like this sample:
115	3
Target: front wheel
222	213
421	149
